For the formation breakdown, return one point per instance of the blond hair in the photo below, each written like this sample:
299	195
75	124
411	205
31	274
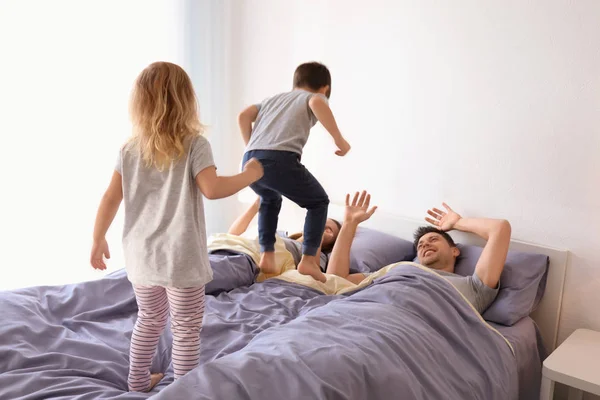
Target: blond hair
164	113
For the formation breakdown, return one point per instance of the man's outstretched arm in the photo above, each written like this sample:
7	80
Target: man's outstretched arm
495	231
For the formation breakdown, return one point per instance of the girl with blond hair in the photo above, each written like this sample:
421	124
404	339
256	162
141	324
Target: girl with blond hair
160	176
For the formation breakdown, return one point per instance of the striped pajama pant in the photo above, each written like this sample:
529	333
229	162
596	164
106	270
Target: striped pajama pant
155	303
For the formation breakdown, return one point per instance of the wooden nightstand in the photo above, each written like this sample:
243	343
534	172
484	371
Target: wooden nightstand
575	363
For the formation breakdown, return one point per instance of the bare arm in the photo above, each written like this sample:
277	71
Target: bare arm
356	212
109	205
495	231
245	120
240	225
339	262
323	113
215	187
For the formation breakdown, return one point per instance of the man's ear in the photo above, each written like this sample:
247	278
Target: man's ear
455	252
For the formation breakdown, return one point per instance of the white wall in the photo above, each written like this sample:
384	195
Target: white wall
65	77
492	107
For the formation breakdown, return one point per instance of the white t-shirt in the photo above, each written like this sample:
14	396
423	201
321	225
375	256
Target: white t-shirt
164	235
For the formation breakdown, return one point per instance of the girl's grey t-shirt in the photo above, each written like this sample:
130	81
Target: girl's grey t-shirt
164	235
283	122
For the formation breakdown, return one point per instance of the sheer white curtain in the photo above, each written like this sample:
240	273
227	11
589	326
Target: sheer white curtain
213	33
66	70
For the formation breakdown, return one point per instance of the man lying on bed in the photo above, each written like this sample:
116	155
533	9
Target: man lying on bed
437	250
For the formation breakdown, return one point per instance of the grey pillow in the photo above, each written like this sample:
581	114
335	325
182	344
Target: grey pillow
372	250
522	283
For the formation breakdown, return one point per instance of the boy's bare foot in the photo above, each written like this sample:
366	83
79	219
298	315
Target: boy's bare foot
308	266
267	262
154	379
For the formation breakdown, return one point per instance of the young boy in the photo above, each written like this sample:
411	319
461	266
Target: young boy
282	124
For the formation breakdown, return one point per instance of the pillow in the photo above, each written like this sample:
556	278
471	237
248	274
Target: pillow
372	250
522	283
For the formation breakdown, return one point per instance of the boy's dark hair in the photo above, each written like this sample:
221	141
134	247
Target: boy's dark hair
424	230
312	75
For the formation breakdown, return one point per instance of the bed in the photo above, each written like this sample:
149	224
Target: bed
526	339
408	333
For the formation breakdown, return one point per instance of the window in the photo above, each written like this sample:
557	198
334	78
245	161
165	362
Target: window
66	71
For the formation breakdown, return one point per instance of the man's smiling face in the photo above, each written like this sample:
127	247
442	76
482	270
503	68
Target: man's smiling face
435	252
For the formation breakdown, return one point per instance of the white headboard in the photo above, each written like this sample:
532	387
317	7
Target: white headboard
547	314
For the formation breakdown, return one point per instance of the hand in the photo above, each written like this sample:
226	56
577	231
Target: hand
358	211
255	168
343	148
445	221
99	250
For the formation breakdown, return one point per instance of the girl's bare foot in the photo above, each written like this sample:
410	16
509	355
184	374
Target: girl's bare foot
267	263
308	266
154	379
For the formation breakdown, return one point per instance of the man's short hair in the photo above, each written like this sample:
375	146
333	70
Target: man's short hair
312	75
424	230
